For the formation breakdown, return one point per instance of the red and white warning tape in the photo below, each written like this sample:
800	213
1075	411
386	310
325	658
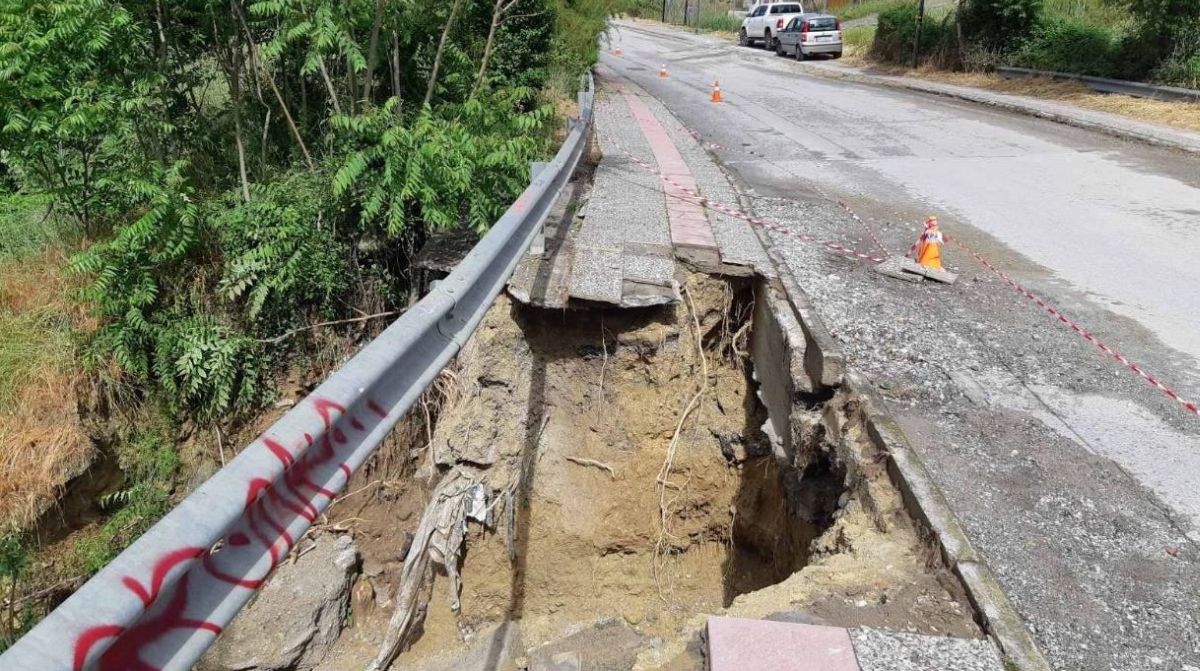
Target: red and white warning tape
1190	406
704	201
1050	309
870	231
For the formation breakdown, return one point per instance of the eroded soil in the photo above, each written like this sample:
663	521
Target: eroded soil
578	414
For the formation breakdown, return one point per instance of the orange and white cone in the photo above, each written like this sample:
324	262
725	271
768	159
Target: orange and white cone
929	247
662	71
716	92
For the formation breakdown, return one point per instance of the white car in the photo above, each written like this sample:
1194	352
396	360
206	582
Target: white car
765	21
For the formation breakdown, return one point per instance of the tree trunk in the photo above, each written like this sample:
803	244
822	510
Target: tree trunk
372	45
262	145
497	13
396	67
437	59
337	108
235	92
278	96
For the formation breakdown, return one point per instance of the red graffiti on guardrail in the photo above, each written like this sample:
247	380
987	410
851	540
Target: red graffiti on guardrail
270	508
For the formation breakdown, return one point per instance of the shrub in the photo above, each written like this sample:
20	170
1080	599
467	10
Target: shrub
999	24
281	263
1069	45
897	29
1182	67
720	22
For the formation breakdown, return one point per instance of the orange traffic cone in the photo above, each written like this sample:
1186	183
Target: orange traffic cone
929	247
662	72
716	92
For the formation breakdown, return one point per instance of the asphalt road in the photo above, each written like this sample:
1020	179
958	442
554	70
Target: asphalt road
1078	482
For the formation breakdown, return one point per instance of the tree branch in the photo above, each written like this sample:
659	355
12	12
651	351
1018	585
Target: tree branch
437	60
288	334
275	89
372	45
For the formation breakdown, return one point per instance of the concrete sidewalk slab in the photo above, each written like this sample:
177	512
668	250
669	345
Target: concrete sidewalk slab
736	644
691	233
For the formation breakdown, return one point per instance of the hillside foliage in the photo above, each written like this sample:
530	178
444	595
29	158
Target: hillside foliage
1157	40
248	167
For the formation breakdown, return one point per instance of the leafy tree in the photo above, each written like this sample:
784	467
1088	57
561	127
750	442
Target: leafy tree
281	258
77	97
436	171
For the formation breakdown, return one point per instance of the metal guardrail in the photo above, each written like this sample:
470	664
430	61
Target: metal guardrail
163	601
1135	89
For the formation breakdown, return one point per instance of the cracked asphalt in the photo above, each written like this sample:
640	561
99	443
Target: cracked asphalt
1077	482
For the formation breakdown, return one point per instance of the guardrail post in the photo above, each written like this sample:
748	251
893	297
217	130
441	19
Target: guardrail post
538	246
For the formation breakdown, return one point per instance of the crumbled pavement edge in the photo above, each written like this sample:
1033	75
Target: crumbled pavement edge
923	500
926	503
979	96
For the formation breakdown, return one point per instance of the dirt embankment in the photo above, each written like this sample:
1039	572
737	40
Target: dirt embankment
630	485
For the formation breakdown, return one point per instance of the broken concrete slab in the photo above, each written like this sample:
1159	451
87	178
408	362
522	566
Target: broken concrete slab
904	268
296	618
607	645
597	275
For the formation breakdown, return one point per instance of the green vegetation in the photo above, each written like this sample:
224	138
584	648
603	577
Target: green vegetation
14	558
720	22
1133	39
858	10
896	31
713	15
25	225
859	36
148	460
230	160
1065	45
183	183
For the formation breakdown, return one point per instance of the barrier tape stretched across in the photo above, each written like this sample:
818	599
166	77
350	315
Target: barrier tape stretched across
1190	406
163	601
704	201
1049	309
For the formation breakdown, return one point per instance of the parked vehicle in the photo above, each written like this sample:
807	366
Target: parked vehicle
810	34
765	21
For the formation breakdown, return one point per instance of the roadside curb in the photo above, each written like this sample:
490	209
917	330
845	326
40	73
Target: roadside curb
825	364
925	502
1167	137
922	498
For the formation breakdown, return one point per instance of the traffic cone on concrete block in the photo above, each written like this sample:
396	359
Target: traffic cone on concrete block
929	247
662	71
928	254
716	92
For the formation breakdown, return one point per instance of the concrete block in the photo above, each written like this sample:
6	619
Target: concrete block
736	644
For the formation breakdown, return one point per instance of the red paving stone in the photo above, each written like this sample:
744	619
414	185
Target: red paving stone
689	224
735	644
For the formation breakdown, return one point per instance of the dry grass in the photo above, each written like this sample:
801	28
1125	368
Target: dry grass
42	444
1178	114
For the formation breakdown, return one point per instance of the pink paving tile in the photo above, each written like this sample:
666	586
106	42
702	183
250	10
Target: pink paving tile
689	225
735	644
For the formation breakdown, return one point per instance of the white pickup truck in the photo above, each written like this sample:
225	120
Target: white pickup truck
765	20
